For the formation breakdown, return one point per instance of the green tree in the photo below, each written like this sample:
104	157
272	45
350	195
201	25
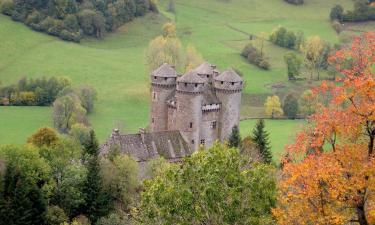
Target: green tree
234	140
293	64
273	107
67	110
337	13
55	216
261	139
80	133
308	103
97	201
210	187
120	179
290	106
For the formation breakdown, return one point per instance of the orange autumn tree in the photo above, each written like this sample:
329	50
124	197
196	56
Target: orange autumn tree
328	174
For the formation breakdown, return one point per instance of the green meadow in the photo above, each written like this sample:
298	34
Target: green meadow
115	65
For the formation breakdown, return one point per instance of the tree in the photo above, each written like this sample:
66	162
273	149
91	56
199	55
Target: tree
210	187
80	132
44	136
273	107
55	216
290	106
234	140
165	49
313	50
87	95
308	103
293	64
261	141
172	6
67	110
330	175
193	58
97	201
120	180
337	13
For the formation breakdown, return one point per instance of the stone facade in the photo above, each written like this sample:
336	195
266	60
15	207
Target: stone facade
202	104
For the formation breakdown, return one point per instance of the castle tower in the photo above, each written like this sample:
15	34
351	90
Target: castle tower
228	87
207	71
190	88
163	84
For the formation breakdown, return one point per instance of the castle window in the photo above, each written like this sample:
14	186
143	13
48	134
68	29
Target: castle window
232	83
154	77
213	124
185	84
191	125
203	142
154	95
208	76
222	82
192	141
165	78
196	85
153	120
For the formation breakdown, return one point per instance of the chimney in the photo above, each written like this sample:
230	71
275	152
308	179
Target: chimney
213	67
115	133
142	132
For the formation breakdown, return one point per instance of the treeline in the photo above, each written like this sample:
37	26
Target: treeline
363	11
72	19
255	56
33	92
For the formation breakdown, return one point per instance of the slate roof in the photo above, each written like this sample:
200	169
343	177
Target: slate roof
168	144
164	70
205	68
229	76
191	77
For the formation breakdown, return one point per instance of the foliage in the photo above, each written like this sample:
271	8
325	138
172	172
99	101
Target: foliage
193	58
165	49
254	56
44	136
210	187
308	103
337	13
295	2
114	219
260	137
316	54
28	92
234	140
80	132
55	216
293	64
70	19
120	179
67	111
97	201
362	11
284	38
290	106
273	107
329	174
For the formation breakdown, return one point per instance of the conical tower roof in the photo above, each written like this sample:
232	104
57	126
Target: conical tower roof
191	77
164	70
205	68
229	76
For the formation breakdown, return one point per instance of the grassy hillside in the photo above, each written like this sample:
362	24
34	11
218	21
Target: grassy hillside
115	65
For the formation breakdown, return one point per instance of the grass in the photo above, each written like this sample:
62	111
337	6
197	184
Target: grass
282	132
115	66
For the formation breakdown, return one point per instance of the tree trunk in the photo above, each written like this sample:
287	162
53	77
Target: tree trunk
361	215
371	145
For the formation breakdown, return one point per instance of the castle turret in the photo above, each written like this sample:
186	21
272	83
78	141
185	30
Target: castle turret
228	87
190	88
163	84
207	71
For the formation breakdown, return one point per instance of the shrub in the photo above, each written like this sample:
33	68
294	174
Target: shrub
295	2
337	13
290	106
34	18
285	38
254	56
7	7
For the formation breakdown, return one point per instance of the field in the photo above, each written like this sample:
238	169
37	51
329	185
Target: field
115	66
281	133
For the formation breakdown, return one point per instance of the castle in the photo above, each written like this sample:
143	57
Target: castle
187	112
